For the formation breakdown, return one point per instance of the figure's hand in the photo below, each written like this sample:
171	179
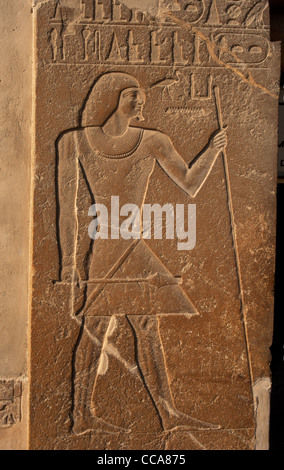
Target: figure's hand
219	140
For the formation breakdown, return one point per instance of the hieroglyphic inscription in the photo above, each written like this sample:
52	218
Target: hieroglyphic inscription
165	47
183	86
245	49
223	12
109	31
10	402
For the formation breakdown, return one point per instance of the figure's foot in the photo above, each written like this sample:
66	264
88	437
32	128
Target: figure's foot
176	419
87	424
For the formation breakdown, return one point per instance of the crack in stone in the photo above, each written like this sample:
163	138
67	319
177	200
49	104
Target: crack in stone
160	9
212	49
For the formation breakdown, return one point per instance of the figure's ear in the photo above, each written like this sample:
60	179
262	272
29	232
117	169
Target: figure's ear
120	97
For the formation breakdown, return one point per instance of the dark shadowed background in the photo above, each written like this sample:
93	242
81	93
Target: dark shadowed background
277	349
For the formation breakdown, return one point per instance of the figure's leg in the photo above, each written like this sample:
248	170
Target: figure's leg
86	359
151	362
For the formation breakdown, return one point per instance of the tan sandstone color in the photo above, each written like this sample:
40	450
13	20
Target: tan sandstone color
15	177
140	342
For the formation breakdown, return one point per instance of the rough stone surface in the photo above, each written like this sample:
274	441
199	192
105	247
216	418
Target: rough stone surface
136	344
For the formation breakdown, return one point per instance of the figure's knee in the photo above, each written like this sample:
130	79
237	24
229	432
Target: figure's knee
95	329
90	340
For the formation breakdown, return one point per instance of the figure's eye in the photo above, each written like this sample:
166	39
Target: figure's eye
131	94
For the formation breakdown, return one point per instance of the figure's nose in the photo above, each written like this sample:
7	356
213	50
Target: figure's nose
141	98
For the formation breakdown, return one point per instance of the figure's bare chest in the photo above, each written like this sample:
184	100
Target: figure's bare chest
125	177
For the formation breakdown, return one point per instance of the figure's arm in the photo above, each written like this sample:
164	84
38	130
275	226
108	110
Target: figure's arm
67	196
192	178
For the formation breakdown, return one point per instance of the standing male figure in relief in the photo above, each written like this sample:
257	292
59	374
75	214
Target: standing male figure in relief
118	159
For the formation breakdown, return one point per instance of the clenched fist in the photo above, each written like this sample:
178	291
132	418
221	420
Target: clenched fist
219	140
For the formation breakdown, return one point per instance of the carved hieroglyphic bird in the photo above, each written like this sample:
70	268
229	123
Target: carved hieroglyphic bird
167	83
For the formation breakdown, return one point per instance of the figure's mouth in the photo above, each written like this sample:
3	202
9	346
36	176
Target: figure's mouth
139	111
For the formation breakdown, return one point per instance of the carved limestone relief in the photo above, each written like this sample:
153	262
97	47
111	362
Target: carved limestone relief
145	220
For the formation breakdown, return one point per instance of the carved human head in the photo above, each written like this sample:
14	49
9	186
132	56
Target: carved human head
131	102
112	91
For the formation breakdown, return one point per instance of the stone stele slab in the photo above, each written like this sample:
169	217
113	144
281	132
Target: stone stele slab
143	338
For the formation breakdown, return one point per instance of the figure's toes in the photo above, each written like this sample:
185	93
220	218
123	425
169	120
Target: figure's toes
183	421
93	424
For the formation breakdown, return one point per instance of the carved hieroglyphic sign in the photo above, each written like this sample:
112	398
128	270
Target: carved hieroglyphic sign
10	402
143	333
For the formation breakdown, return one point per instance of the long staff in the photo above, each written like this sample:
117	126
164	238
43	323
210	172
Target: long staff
233	226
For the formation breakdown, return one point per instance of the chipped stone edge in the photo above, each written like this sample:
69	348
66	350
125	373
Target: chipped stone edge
155	8
37	3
